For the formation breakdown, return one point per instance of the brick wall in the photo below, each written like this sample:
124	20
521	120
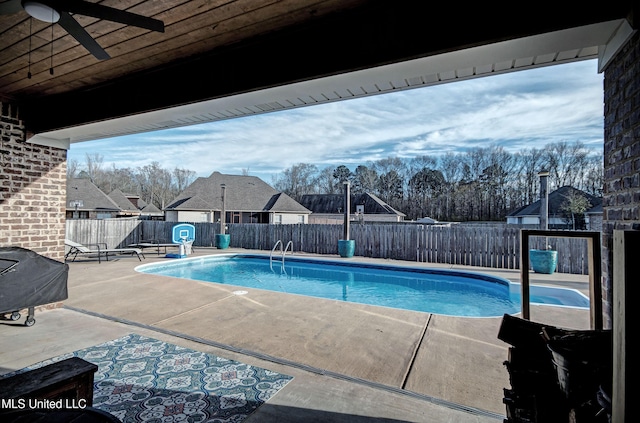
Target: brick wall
32	190
621	201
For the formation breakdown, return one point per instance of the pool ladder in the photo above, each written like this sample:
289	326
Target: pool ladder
283	251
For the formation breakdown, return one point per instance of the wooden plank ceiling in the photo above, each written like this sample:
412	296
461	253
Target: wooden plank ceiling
191	28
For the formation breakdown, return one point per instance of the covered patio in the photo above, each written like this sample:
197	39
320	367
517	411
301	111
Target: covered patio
242	61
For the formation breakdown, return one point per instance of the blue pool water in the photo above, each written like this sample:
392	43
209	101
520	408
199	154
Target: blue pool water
438	291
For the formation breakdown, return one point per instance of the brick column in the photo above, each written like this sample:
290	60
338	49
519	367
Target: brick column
621	202
32	190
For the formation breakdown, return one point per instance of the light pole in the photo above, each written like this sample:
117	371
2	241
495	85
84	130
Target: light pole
223	214
347	210
544	199
346	247
222	239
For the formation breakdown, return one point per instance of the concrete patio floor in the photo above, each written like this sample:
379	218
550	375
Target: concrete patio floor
350	362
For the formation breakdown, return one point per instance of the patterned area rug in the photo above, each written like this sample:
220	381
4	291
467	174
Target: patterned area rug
142	379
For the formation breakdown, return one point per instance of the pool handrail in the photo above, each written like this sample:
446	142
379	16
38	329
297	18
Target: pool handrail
290	243
282	253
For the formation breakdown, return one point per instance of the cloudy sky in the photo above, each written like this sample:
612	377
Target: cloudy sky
518	111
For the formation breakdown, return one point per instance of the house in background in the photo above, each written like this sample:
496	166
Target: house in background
247	199
151	212
329	209
594	217
133	206
557	218
86	201
128	208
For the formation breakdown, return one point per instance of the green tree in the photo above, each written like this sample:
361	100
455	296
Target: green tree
574	205
425	189
342	174
390	187
364	180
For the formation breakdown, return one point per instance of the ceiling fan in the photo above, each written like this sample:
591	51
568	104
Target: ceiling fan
59	11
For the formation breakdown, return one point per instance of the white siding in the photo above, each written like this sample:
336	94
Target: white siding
287	218
187	216
319	218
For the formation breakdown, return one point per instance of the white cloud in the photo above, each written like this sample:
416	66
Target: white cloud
515	110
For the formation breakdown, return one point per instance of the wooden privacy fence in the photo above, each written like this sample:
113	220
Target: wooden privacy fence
494	245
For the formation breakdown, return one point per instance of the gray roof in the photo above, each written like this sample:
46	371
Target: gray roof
595	210
242	193
556	199
90	195
122	201
151	209
334	203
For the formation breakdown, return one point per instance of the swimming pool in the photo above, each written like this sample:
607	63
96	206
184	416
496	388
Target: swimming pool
439	291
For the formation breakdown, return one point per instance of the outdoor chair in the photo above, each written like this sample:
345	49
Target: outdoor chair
98	250
155	244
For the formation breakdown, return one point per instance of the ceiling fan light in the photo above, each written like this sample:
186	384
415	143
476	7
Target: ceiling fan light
41	11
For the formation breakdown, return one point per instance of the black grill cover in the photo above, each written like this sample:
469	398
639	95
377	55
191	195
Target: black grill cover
28	279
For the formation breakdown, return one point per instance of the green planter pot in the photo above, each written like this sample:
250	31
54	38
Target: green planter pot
222	241
543	261
346	247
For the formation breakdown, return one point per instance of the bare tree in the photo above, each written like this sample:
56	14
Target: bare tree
122	179
530	162
364	180
566	161
391	181
93	163
451	168
297	180
390	187
325	182
593	181
72	168
154	184
183	178
424	193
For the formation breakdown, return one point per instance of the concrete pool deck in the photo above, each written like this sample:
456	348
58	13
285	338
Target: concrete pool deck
350	362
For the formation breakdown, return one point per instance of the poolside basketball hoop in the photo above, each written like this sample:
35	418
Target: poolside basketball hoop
183	234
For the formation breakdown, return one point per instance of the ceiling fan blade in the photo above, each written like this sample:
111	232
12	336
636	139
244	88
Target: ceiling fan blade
10	7
99	11
78	32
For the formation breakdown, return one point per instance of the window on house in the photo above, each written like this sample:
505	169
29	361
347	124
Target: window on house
77	214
